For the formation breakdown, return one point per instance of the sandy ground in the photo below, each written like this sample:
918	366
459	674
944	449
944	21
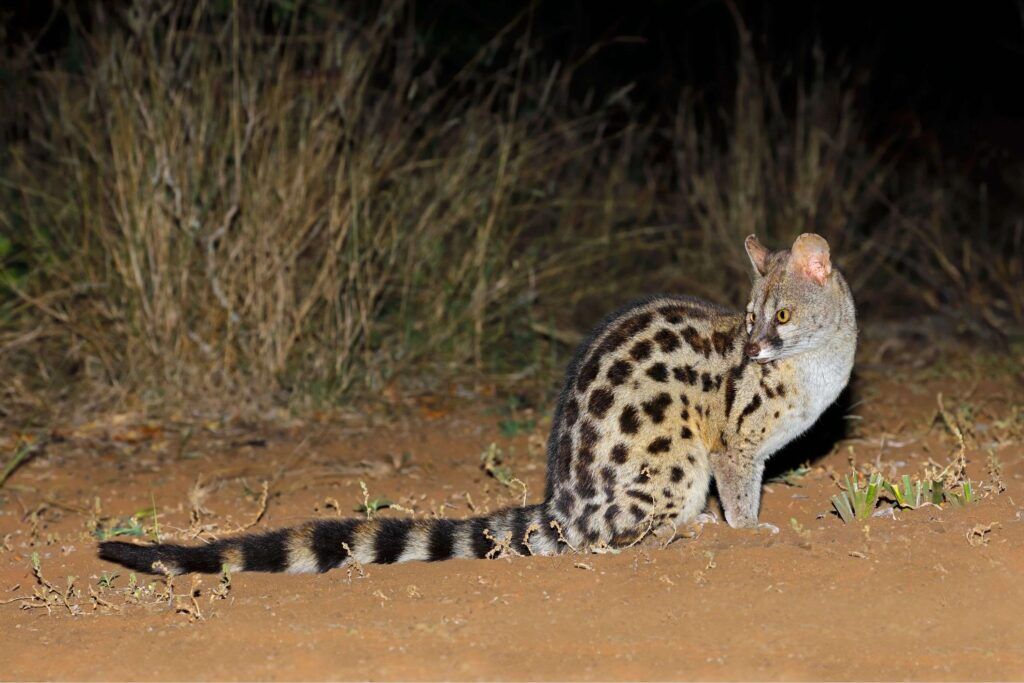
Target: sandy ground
933	593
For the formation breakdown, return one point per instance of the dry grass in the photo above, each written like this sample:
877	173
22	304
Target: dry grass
221	202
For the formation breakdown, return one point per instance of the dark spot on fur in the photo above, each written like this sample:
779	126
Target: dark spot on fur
584	481
676	474
624	331
608	476
731	378
637	513
640	495
686	433
780	390
656	407
588	510
706	383
685	414
660	445
629	420
619	453
563	503
572	412
601	401
641	350
677	313
723	341
611	513
667	340
619	372
754	404
686	374
588	435
691	459
588	373
563	456
698	343
658	372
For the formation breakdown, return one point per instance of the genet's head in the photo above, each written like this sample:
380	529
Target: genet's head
798	301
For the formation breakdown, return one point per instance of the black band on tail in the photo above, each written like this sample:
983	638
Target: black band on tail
324	544
205	559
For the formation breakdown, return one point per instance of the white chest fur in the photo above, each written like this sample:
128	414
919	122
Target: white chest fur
821	376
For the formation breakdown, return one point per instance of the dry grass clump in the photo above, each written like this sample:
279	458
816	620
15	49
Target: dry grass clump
255	202
212	204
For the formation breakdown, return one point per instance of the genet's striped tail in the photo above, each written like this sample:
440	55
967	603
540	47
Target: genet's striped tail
320	545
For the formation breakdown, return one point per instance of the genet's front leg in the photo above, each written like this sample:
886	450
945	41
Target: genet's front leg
738	479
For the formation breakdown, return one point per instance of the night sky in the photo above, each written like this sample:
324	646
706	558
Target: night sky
947	77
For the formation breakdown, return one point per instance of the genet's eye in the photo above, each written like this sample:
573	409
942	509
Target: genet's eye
783	315
751	317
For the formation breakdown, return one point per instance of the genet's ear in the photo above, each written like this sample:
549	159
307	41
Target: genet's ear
757	253
809	258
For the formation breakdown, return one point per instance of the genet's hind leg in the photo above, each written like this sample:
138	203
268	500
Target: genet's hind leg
692	487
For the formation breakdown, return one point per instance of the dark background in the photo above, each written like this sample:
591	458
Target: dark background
944	73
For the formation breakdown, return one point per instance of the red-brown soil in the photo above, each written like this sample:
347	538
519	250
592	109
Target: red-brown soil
931	593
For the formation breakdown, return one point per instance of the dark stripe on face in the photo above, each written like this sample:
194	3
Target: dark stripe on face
263	552
329	538
442	540
390	540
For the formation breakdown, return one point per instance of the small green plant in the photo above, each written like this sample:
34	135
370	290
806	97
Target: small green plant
965	496
20	455
107	580
370	507
126	526
854	502
511	427
913	494
491	461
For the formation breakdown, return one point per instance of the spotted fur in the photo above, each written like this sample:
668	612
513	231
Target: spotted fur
664	395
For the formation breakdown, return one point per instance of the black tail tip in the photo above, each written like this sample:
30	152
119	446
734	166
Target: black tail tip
137	557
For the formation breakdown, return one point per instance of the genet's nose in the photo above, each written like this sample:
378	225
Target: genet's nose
752	349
